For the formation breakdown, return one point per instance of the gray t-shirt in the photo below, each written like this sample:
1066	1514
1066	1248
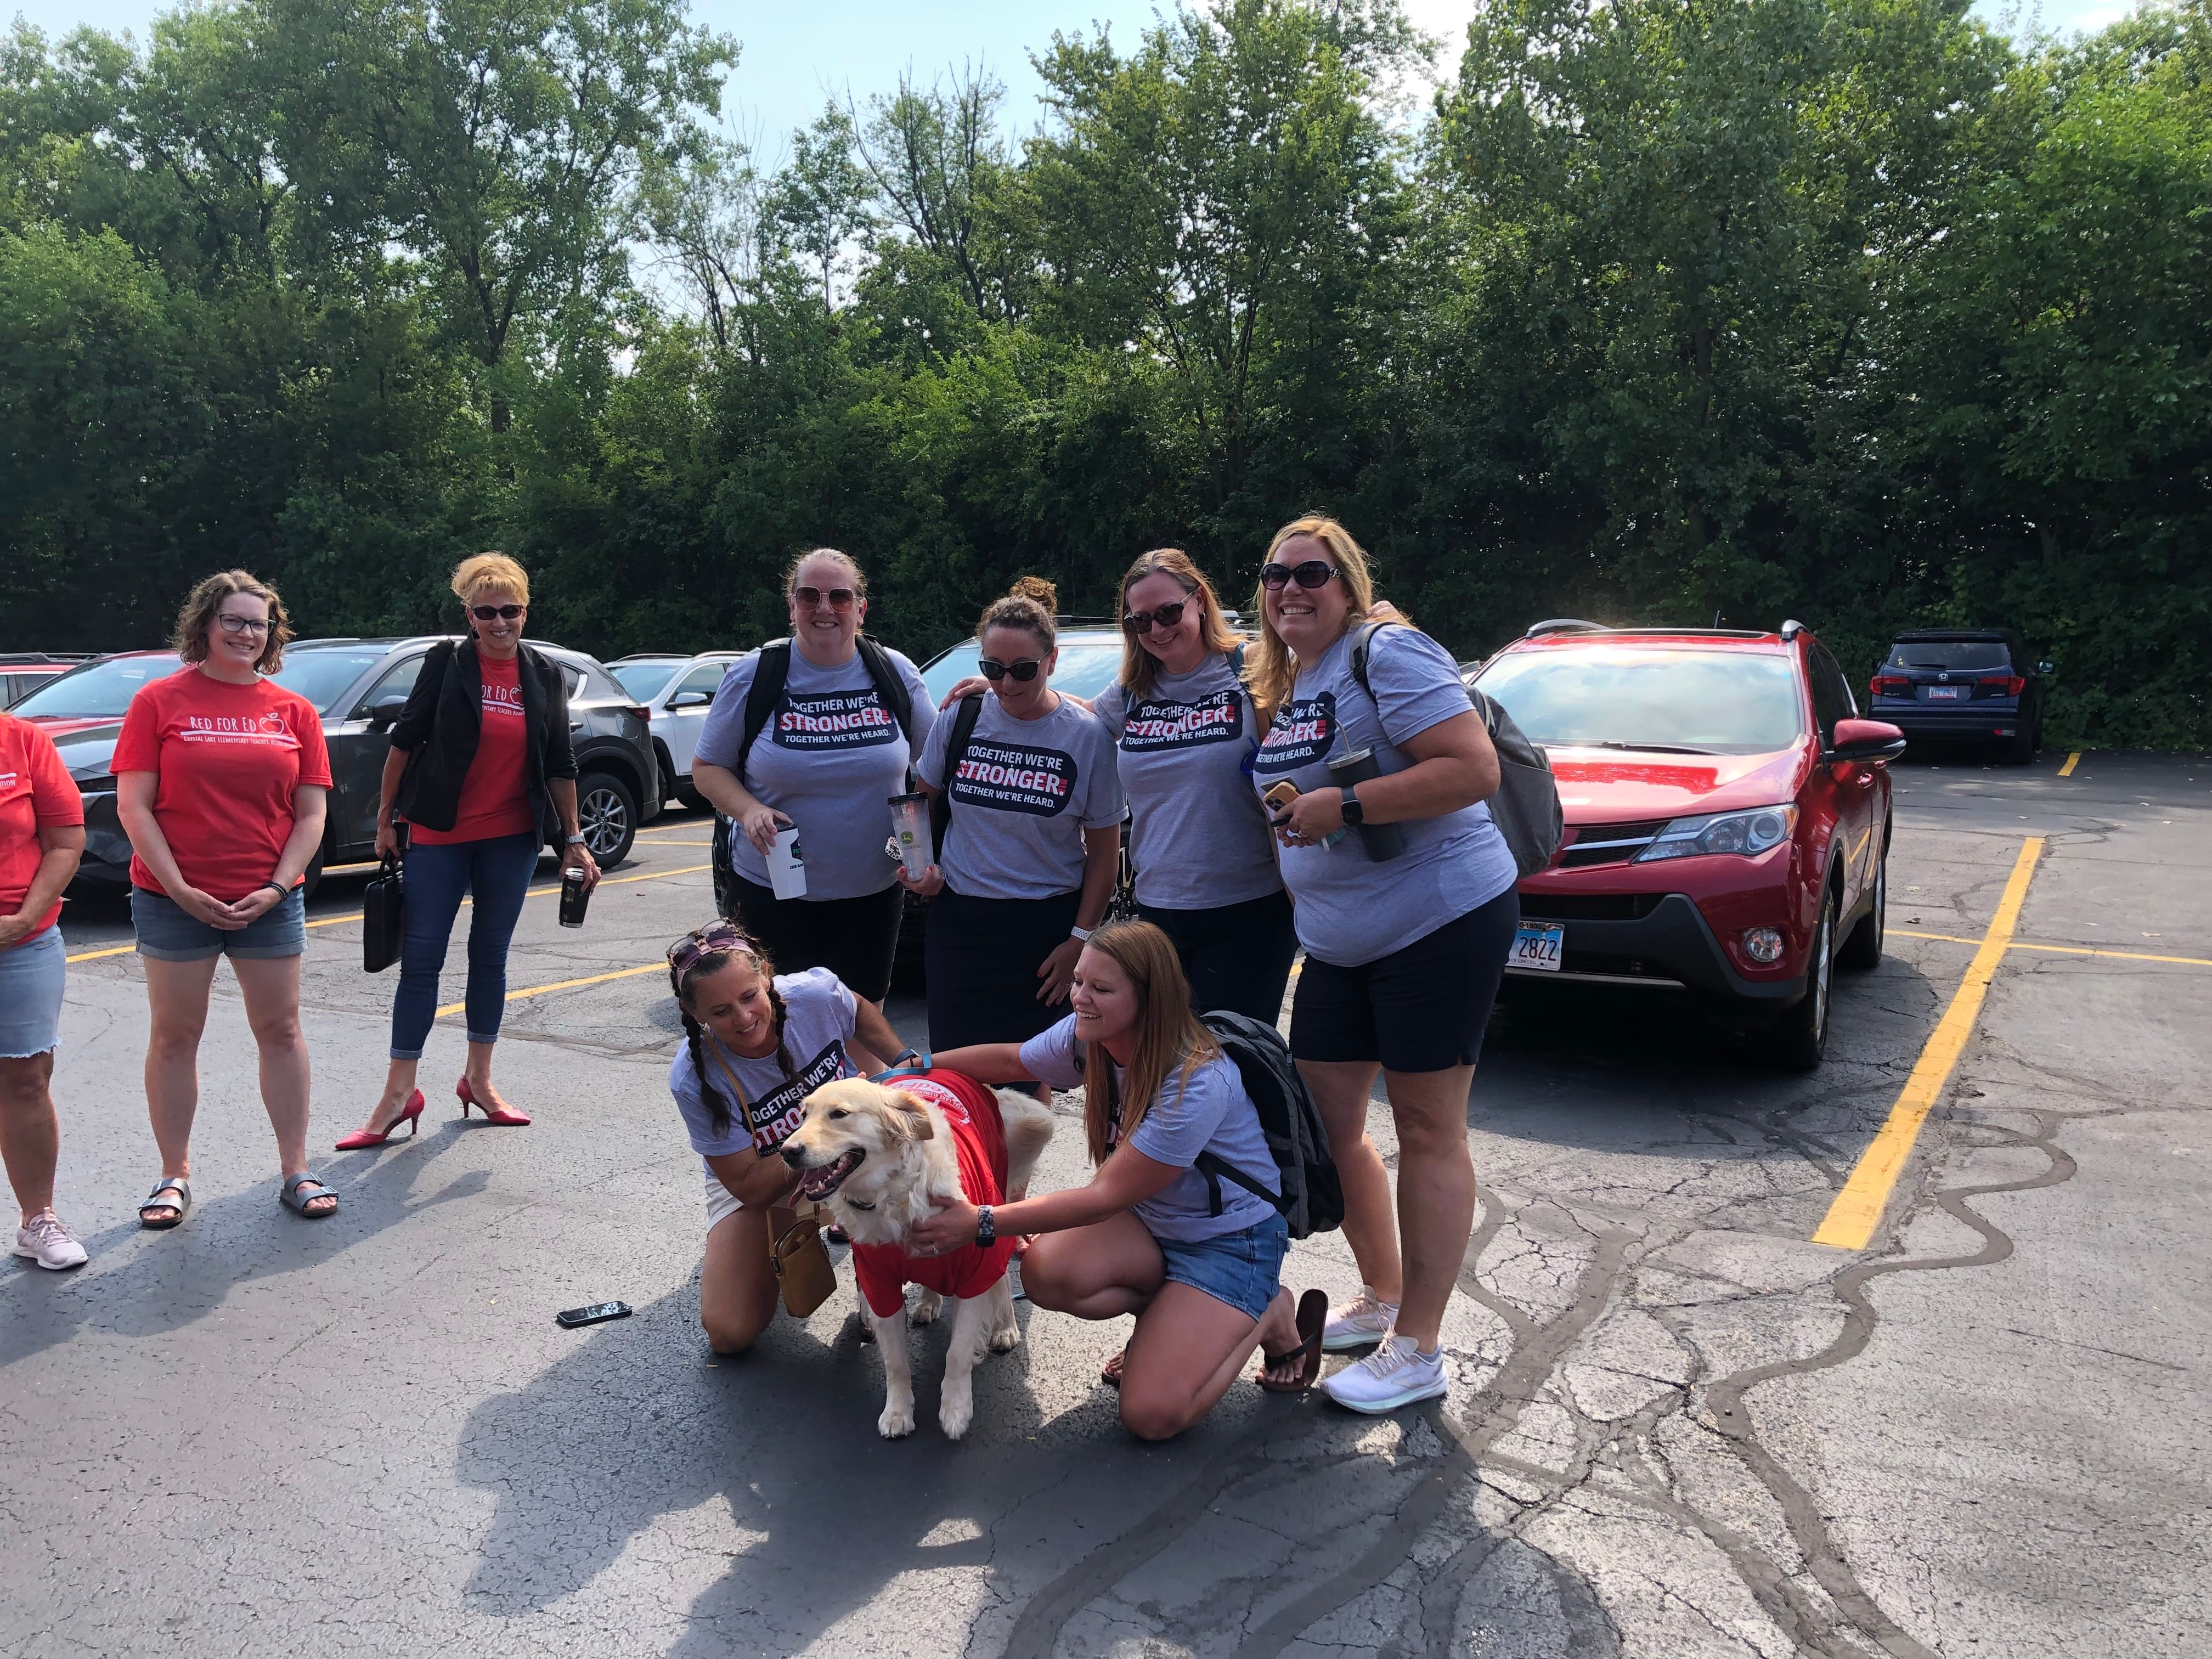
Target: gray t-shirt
1205	1110
1197	833
1026	792
817	1023
829	759
1349	910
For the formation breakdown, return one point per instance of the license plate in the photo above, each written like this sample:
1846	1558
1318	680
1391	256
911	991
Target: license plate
1537	945
1935	691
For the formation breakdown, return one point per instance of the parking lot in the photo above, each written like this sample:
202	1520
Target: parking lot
1681	1425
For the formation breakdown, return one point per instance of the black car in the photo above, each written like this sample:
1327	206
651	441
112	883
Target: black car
1962	685
359	687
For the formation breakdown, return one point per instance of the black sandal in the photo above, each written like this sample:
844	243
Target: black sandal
296	1202
156	1201
1313	1315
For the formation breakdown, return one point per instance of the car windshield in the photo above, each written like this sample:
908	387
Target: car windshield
321	676
102	691
1086	667
643	680
1956	654
1724	702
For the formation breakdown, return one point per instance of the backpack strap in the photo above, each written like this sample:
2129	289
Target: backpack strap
1363	641
956	750
1216	1170
771	669
1236	658
892	688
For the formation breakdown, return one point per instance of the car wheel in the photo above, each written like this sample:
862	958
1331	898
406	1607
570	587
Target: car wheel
2019	748
606	813
1863	946
1800	1038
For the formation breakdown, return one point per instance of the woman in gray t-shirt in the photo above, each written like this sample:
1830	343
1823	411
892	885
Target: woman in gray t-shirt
1185	732
1405	944
1034	840
1145	1236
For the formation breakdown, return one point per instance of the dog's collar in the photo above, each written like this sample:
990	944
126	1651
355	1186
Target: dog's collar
855	1204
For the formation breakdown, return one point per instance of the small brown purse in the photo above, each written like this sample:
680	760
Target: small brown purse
796	1253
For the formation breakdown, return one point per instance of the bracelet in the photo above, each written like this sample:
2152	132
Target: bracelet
281	892
1081	934
987	1230
575	841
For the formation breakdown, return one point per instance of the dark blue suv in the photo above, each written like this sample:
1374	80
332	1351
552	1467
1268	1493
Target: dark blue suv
1962	685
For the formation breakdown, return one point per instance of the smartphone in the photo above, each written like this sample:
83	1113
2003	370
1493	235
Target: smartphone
1279	794
572	1318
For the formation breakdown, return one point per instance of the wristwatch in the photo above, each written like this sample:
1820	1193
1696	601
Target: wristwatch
575	841
986	1231
1353	813
1081	933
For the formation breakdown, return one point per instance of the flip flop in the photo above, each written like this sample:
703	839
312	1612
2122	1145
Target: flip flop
1313	1315
293	1198
1111	1372
182	1206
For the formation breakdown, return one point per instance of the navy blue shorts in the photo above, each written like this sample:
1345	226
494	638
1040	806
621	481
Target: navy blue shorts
1244	1269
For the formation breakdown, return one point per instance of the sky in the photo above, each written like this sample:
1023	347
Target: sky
796	55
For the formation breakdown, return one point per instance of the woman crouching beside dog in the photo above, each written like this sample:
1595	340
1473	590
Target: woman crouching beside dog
756	1043
1145	1236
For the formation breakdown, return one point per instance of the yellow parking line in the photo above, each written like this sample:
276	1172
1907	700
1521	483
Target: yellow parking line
2072	761
1856	1212
95	955
2061	949
564	985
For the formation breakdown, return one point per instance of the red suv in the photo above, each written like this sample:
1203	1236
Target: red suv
1728	818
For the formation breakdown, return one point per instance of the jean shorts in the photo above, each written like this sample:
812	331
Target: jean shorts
31	976
1244	1269
169	932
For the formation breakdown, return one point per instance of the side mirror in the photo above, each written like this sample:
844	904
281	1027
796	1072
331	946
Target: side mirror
385	713
690	700
1865	740
2047	666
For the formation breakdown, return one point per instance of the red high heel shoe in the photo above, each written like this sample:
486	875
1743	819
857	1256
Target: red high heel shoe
498	1114
410	1115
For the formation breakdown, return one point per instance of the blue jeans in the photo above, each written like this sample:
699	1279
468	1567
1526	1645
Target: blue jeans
496	874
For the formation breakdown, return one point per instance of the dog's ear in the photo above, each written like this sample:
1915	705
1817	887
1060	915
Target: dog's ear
910	1118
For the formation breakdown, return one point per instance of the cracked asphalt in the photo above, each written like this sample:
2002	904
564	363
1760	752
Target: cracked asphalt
1678	1427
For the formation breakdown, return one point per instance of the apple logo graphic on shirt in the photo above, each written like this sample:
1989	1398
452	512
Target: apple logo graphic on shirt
272	724
1299	735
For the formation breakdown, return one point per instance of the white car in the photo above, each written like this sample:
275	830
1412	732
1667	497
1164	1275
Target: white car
676	693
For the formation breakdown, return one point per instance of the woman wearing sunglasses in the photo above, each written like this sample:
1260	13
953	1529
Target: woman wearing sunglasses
1185	730
826	757
1403	956
483	773
1034	840
220	779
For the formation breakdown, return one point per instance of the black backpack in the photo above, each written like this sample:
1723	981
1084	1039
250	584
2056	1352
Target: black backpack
1312	1196
1526	808
956	750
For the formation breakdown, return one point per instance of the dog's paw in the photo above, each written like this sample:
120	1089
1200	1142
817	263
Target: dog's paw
954	1417
1006	1338
925	1309
897	1422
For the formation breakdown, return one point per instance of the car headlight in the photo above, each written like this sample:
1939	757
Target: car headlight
1749	833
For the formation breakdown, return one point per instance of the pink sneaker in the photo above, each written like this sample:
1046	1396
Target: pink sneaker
46	1242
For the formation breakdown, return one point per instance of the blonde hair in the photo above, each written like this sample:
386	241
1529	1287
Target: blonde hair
190	641
852	569
1031	604
1271	672
1171	1041
493	570
1140	669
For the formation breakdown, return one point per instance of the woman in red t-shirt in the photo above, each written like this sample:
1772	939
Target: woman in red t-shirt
220	776
41	838
483	772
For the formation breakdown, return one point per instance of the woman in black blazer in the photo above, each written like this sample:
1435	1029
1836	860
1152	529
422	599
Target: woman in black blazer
483	772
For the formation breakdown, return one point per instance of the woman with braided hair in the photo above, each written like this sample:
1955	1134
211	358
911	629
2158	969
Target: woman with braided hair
755	1044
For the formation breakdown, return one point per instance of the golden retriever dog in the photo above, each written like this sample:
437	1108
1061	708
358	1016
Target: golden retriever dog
876	1157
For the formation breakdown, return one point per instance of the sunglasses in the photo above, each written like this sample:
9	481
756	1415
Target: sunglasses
242	625
841	598
1023	672
496	613
1313	573
1141	621
702	942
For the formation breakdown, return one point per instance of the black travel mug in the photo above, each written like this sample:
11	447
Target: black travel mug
575	896
1383	842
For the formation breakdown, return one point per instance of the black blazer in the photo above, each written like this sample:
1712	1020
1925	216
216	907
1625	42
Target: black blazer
444	719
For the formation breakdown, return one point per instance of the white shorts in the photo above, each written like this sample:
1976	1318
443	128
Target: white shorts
721	1202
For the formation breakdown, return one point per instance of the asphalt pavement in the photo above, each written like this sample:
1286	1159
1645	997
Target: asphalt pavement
1679	1426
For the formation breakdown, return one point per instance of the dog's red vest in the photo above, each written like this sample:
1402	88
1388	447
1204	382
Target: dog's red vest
979	1144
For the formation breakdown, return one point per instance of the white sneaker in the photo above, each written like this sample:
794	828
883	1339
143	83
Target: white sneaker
1396	1374
1359	1322
46	1242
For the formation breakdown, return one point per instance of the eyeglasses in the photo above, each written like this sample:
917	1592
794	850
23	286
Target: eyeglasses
1313	573
841	598
241	624
1025	671
496	613
704	941
1141	621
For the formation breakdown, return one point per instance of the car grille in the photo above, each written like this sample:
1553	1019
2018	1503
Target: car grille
1609	844
1587	907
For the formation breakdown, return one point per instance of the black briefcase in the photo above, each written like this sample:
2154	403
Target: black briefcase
383	901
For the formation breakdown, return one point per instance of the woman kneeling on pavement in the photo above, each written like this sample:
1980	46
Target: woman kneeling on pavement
756	1043
1145	1236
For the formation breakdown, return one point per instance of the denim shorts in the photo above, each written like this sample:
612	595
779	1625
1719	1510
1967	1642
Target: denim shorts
169	932
1244	1269
31	976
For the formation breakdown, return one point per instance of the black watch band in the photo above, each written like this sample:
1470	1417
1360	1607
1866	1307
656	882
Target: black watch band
1353	813
987	1231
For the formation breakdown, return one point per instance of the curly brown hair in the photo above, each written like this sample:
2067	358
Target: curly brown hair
190	641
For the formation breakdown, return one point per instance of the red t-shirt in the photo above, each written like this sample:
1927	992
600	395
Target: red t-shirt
35	789
979	1143
495	794
228	758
